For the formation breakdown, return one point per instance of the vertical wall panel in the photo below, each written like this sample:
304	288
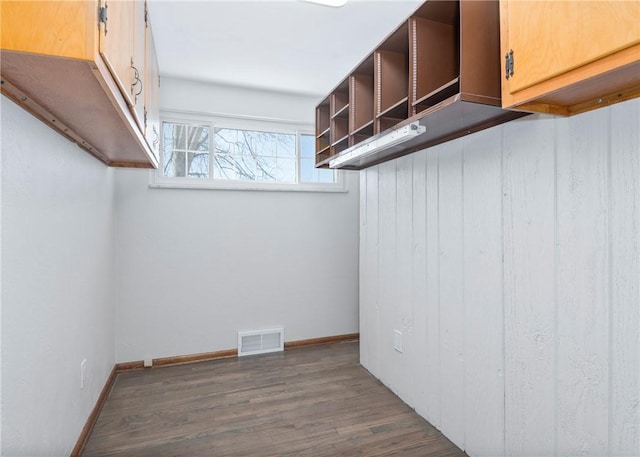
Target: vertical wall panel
433	388
404	258
369	300
625	276
483	306
582	385
529	299
363	272
419	284
387	267
451	294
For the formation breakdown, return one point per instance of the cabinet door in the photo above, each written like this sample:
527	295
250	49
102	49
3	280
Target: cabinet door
117	43
152	94
138	87
550	38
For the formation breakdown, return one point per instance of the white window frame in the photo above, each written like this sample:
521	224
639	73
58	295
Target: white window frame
157	180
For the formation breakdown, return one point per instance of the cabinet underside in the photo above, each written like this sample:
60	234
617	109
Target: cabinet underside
80	103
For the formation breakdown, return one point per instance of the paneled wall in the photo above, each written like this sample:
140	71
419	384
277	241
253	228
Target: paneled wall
509	261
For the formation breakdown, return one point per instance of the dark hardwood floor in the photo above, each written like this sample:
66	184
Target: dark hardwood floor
315	401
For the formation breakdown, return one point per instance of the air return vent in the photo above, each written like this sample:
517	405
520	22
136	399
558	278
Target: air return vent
260	341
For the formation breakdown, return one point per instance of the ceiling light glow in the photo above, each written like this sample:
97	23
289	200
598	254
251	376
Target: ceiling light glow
333	3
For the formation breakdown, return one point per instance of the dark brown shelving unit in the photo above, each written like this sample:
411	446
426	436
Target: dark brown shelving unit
440	69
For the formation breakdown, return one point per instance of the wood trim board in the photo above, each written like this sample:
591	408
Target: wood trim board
93	417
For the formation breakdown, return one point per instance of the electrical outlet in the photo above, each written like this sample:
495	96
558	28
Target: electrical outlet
83	373
148	363
397	340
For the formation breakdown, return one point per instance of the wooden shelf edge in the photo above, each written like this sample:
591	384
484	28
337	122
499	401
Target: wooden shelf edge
362	127
392	107
324	132
335	143
436	91
323	150
324	162
342	112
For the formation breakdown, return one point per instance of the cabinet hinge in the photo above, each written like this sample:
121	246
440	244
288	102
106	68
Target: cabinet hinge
508	64
102	16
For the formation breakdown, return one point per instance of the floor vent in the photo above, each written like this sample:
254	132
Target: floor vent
260	341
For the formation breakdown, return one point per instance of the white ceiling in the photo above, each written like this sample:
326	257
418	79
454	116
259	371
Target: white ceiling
287	45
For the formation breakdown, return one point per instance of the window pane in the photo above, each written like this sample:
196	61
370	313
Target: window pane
286	170
199	164
174	164
307	171
287	146
310	174
198	139
326	176
307	146
228	166
254	156
185	150
226	141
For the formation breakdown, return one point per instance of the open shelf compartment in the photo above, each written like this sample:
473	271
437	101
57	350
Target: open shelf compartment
391	63
434	51
361	100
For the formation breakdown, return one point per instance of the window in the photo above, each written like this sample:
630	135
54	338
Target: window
243	154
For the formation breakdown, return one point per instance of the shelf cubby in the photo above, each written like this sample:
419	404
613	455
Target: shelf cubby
361	99
322	117
434	97
434	52
339	129
339	99
340	145
363	133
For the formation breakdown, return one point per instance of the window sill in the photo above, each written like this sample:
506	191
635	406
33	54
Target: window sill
187	183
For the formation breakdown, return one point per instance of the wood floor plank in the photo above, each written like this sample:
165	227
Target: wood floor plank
313	401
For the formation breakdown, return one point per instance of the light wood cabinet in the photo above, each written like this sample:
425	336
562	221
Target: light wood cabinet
566	57
74	70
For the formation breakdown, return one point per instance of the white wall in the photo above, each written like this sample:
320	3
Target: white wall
196	266
57	285
200	97
510	261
